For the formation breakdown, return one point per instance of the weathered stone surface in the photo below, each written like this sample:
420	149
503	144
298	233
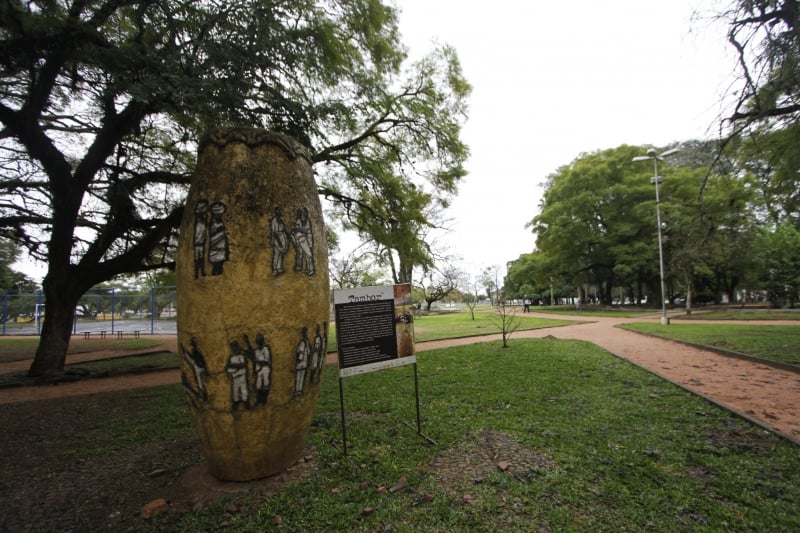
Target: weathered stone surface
253	304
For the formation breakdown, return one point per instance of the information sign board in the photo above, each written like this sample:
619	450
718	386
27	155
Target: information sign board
374	328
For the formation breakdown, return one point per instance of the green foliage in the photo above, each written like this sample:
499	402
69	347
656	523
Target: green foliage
10	279
771	159
598	226
102	106
597	222
779	253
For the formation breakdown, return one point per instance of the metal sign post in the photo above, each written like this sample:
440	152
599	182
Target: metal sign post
375	331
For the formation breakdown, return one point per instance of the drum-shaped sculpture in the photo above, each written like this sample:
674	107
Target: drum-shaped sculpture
253	309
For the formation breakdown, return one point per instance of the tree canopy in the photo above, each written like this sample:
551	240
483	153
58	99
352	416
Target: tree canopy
766	36
598	227
102	103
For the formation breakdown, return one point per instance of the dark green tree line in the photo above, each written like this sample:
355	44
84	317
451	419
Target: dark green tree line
598	227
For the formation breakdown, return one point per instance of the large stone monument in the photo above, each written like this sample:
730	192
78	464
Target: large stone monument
253	304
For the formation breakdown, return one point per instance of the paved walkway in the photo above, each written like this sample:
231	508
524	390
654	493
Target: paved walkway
761	393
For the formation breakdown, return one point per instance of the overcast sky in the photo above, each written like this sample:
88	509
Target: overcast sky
552	80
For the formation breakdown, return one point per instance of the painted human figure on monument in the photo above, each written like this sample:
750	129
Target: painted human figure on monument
303	242
199	239
237	370
279	241
324	341
218	246
317	356
262	360
196	361
302	353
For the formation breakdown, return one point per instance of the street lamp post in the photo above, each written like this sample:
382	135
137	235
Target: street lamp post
655	180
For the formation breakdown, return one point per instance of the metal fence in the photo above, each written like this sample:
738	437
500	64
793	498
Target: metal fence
103	311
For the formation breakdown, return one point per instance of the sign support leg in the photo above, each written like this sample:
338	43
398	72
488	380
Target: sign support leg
416	394
341	409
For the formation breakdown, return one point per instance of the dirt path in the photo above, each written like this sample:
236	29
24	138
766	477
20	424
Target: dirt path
761	393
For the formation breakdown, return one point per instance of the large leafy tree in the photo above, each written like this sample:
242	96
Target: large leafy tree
779	253
772	160
598	226
597	222
102	102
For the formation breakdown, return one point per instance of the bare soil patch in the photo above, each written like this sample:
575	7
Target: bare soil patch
472	461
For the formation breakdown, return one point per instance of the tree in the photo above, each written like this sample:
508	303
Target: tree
597	224
102	105
353	270
438	284
779	253
526	276
766	37
10	279
506	320
470	293
771	158
489	279
13	284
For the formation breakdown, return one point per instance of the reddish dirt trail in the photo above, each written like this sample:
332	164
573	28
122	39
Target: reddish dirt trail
761	393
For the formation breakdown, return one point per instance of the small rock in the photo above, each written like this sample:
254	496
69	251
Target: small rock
367	511
503	466
277	520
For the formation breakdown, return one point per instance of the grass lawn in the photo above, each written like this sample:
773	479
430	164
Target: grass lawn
744	314
773	343
130	363
16	349
547	435
460	324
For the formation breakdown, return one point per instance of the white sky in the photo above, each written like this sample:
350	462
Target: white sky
552	80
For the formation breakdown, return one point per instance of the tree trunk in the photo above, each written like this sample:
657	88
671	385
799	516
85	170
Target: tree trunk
688	296
60	302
